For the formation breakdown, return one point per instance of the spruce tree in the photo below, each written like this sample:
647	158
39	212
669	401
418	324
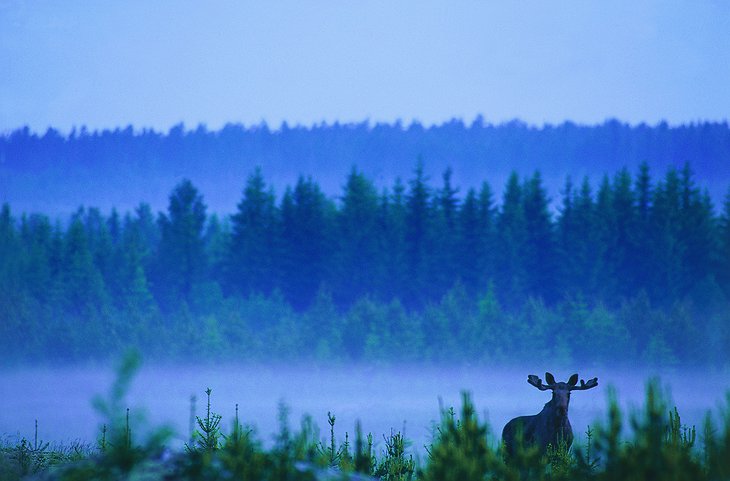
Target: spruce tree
698	231
181	257
578	242
358	240
539	253
642	232
622	254
607	237
418	232
393	275
667	246
307	241
251	264
511	270
443	269
724	247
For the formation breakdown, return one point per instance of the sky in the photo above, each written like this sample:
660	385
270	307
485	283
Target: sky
107	64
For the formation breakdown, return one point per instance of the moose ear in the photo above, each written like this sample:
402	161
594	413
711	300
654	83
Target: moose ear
573	380
549	378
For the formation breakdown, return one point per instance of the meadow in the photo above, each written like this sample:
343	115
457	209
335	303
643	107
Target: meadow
351	422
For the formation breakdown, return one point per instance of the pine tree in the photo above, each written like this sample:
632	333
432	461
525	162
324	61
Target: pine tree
476	244
36	237
307	241
540	261
11	327
511	274
217	239
622	254
667	246
9	248
443	269
105	248
181	256
724	247
579	247
251	264
488	216
697	230
607	238
393	275
358	240
470	250
418	231
642	232
137	297
81	326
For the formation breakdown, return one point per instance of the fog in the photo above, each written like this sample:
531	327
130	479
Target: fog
382	398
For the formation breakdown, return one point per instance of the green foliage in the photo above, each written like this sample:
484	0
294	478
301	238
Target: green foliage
395	465
460	450
208	436
657	447
639	265
181	252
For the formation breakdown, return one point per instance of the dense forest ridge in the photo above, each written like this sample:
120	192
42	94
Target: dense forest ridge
638	266
121	167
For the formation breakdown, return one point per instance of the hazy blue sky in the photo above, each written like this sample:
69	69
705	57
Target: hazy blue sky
153	64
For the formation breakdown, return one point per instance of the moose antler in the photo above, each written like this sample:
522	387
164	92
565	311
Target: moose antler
585	385
537	382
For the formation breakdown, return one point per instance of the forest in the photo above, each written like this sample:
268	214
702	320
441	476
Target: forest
124	166
638	264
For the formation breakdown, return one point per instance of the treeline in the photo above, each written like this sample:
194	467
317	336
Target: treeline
121	167
635	269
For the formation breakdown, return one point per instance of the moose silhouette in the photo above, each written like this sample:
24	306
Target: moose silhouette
551	425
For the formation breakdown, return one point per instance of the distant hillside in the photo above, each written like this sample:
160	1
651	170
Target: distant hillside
55	174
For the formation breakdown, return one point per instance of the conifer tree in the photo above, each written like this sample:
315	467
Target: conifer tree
181	256
307	241
443	269
724	241
642	232
667	246
487	215
217	239
418	231
622	254
36	237
475	248
697	230
9	249
579	247
251	264
137	296
607	237
511	274
358	240
470	250
392	223
81	324
539	254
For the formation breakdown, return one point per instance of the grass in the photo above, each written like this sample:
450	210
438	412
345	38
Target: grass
650	444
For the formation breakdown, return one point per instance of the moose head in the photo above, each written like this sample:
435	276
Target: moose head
551	425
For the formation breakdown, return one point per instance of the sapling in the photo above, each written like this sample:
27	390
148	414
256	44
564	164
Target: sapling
207	438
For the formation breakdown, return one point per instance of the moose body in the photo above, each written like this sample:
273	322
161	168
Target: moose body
551	425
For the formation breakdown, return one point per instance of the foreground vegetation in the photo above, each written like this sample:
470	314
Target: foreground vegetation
656	446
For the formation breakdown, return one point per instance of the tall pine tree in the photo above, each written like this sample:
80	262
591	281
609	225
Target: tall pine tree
252	259
511	270
181	257
358	238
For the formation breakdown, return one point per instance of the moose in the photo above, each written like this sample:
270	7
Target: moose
551	425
